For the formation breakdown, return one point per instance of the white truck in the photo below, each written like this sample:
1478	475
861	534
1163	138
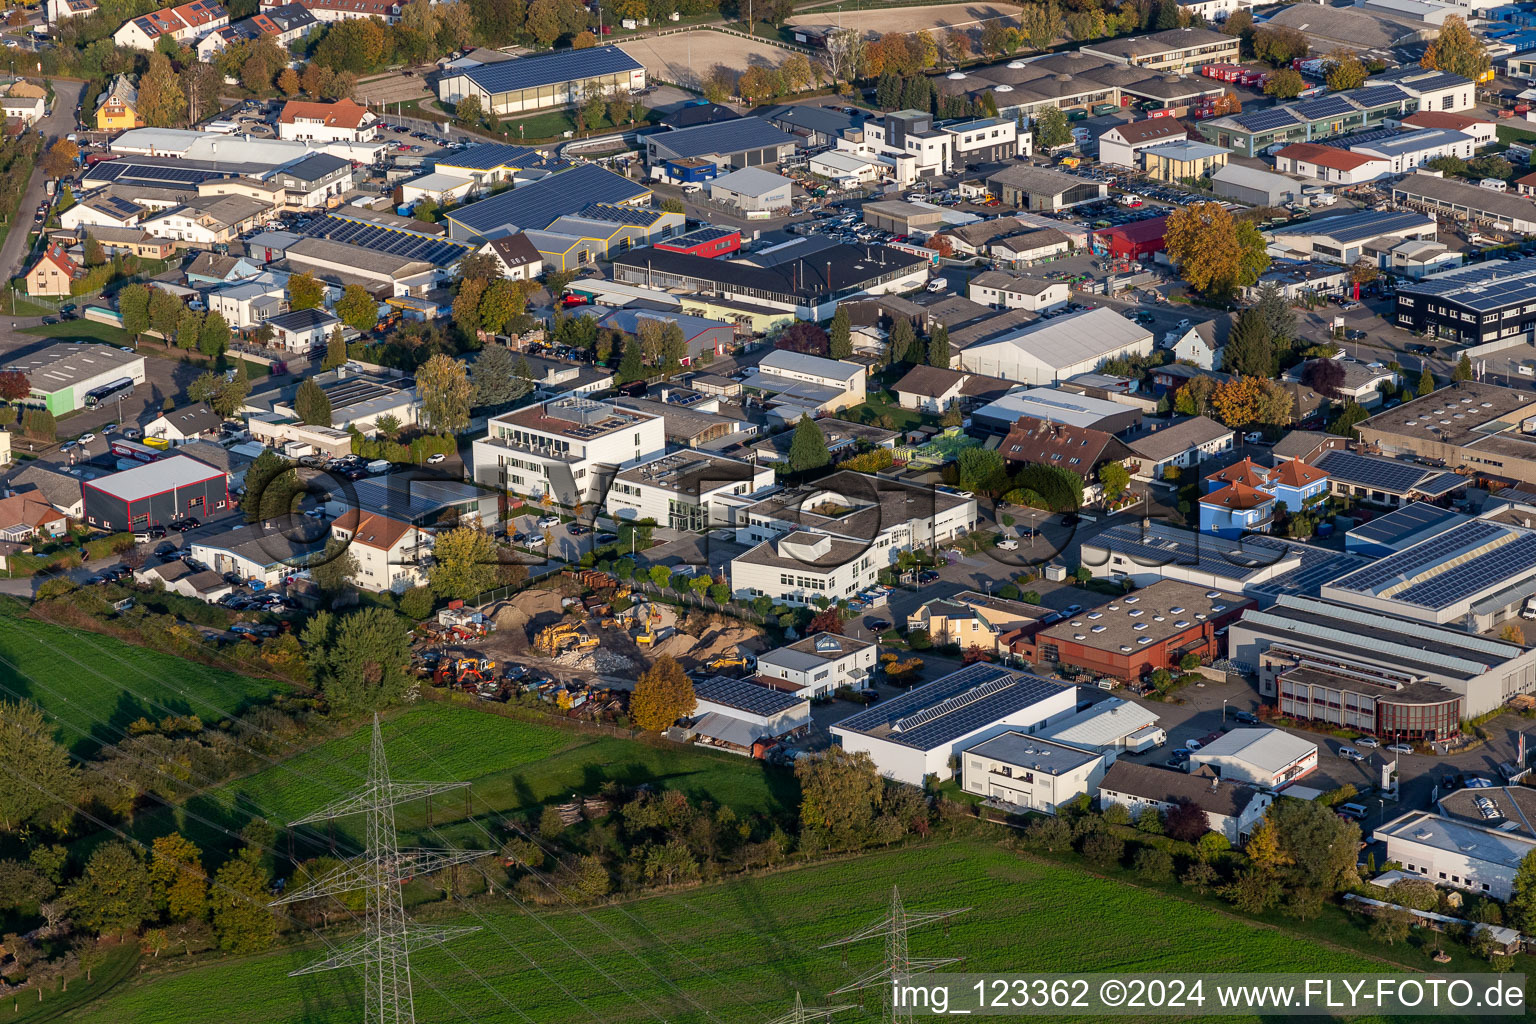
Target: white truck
1145	739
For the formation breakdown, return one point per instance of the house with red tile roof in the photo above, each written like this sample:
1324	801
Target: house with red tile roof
1483	129
185	24
389	552
1236	509
1330	164
53	272
342	121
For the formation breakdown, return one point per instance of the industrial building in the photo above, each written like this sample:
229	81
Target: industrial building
535	206
1343	238
1053	350
1474	305
1056	406
1267	758
1337	692
1460	200
544	81
1133	636
1110	727
1254	132
915	735
1446	851
1077	79
1041	189
63	375
1483	671
155	494
704	151
1468	425
744	717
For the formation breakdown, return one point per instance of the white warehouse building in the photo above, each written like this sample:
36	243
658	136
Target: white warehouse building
568	448
1053	350
1449	851
1269	758
1026	773
916	735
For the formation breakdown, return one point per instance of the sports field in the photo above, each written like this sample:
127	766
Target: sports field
738	952
967	18
687	58
95	685
511	765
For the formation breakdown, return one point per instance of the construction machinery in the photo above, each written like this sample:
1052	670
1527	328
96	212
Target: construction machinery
737	661
646	636
469	673
556	638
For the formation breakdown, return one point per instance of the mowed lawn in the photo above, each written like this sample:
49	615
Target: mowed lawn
742	950
512	766
95	685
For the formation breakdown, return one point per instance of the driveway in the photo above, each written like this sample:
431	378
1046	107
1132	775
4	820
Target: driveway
59	122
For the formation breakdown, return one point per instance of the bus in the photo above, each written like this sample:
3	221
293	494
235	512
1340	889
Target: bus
120	388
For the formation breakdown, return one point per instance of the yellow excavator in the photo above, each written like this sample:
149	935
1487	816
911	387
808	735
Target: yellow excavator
732	662
585	641
646	636
554	639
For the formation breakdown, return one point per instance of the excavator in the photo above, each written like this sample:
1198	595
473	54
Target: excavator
554	639
739	661
471	672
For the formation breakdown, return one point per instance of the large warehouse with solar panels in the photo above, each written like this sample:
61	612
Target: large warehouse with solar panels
913	736
549	80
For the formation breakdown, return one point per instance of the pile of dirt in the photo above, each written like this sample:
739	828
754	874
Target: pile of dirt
540	607
679	645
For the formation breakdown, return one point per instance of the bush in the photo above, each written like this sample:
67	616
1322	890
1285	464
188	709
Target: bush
1211	844
1200	877
1150	821
1117	814
416	603
1103	850
1153	864
919	640
40	424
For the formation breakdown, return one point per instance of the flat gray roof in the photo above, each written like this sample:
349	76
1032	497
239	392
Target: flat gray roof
64	365
1024	751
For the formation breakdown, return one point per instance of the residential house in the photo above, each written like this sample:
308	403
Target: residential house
934	389
99	211
1009	291
207	221
1186	443
820	665
176	578
185	24
1200	344
50	483
390	554
1231	809
26	515
341	121
1121	144
1020	772
53	273
1037	442
969	619
117	109
185	424
1236	509
1361	383
516	256
303	330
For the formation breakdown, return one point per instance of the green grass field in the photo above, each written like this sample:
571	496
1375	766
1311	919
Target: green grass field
743	949
512	766
95	685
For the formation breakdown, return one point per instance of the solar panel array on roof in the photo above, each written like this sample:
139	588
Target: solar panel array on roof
1502	564
552	69
1318	566
1265	120
972	698
736	136
118	205
1367	471
698	236
1378	95
433	249
1422	556
753	698
535	206
125	172
1484	288
1406	521
490	155
1364	224
409	499
1324	106
1154	548
637	215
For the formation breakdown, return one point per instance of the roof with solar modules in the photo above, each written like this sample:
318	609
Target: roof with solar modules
556	68
1324	115
537	205
947	709
1445	574
402	243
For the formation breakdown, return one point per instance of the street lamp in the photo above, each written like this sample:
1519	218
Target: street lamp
1223	711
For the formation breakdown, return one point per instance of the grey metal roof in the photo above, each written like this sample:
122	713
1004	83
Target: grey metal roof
956	705
551	69
724	137
1354	227
313	168
1025	751
407	497
537	205
155	478
1417	520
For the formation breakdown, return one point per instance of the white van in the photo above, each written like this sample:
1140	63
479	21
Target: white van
1525	370
1351	754
1353	810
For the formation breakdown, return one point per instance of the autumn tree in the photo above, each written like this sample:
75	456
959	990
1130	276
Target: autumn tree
1242	401
360	661
1214	252
1345	70
1456	50
239	899
114	893
60	158
443	384
176	873
304	292
42	778
358	309
463	564
1285	84
162	101
841	795
661	696
1279	45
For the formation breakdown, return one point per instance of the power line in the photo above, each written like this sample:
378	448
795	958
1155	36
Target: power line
899	964
384	951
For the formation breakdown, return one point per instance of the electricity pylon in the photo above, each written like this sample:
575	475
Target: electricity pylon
803	1014
385	947
899	964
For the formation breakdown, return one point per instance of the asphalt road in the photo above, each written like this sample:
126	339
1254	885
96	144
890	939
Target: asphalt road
59	122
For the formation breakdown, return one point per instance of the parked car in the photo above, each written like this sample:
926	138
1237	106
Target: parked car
606	538
1351	754
1008	544
549	521
1368	741
577	530
1245	718
1400	748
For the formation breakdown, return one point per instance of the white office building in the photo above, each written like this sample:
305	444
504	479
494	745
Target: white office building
1448	851
568	448
1021	772
821	664
1270	758
915	735
686	490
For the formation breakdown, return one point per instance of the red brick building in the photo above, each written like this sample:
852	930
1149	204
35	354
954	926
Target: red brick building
1132	636
1136	240
709	242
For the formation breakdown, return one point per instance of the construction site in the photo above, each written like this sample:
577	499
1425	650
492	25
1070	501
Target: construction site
579	641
